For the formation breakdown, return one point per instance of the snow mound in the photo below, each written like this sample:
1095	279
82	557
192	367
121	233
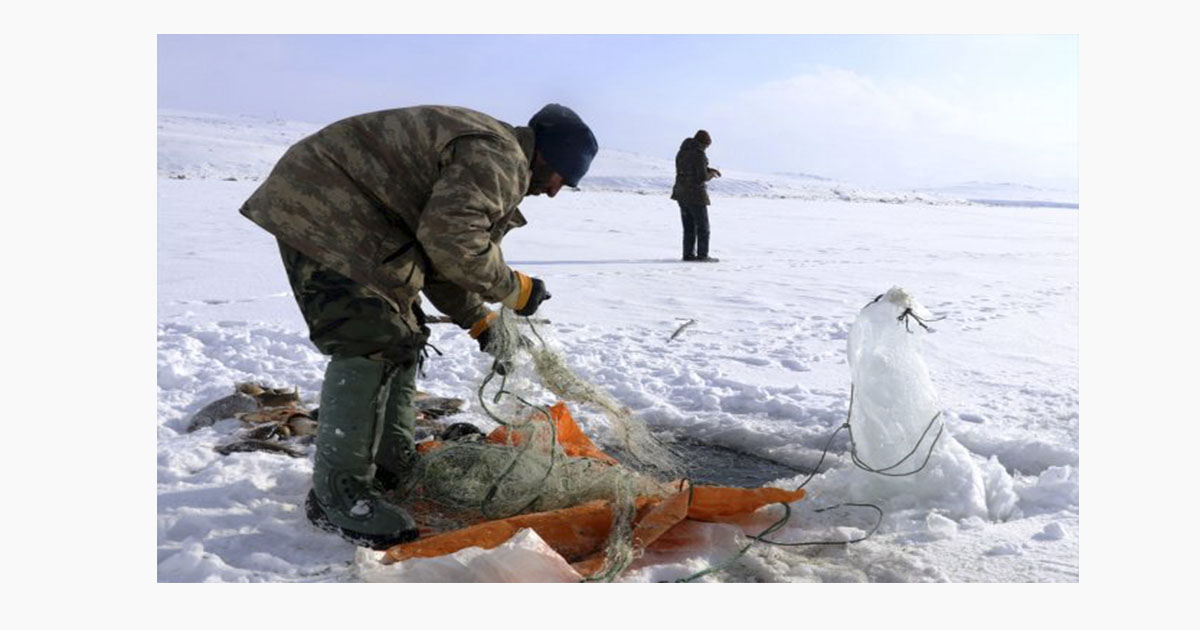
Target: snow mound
210	146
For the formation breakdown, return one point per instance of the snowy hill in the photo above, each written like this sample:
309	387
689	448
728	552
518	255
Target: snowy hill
758	383
1011	194
621	171
206	146
210	146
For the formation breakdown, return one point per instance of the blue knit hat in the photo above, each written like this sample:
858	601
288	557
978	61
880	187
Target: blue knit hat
565	141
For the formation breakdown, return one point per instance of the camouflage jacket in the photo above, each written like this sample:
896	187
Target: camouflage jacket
691	173
405	201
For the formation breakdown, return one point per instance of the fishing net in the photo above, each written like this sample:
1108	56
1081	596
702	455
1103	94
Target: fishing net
522	474
537	461
552	374
633	437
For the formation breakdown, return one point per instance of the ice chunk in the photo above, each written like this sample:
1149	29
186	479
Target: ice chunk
940	526
1055	486
1002	497
1052	531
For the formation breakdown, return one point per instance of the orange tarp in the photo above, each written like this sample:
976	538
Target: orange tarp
716	503
659	518
574	441
578	533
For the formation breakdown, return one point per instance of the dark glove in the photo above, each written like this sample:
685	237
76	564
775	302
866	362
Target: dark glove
528	295
537	295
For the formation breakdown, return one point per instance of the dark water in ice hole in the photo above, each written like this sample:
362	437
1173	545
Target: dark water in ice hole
709	464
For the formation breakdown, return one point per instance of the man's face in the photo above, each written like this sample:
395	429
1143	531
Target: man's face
543	179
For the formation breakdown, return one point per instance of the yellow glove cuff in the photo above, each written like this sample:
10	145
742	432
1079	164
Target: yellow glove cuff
480	326
520	295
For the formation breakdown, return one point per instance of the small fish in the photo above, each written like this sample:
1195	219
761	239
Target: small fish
227	407
432	407
248	445
681	329
462	432
272	414
268	397
301	426
265	431
247	398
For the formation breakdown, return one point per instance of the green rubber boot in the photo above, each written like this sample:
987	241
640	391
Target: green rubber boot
396	455
343	499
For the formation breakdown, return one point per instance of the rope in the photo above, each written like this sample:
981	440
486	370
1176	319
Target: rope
762	536
883	471
494	488
776	526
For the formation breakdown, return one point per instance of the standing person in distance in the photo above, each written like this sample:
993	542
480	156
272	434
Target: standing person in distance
691	191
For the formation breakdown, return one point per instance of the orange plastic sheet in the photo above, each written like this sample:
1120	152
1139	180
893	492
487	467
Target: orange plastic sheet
656	520
574	532
718	503
574	442
578	533
567	433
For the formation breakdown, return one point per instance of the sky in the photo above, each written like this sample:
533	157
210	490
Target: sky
888	110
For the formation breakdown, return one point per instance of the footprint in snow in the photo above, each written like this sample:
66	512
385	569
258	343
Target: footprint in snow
794	365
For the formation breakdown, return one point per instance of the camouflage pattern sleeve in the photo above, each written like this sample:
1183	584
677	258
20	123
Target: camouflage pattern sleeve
481	180
463	307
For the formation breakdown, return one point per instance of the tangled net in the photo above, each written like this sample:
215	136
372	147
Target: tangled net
473	479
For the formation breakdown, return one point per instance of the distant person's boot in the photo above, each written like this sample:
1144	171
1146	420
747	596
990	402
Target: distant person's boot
702	242
344	499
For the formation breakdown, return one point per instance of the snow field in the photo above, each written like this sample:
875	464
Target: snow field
763	370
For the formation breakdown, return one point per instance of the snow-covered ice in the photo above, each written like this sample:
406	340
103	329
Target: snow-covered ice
762	371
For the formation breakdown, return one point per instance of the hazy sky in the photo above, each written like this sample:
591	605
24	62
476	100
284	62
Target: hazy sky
889	110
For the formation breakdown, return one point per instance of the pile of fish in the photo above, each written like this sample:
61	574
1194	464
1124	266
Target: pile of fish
276	420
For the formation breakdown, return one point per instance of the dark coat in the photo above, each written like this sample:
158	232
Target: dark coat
691	173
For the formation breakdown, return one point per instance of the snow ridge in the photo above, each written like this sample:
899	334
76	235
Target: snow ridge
244	148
